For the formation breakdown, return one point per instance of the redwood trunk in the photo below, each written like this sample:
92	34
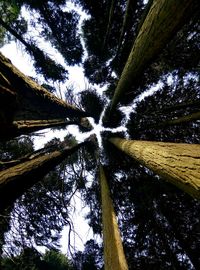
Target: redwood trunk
179	163
181	120
23	99
114	257
163	20
17	179
18	128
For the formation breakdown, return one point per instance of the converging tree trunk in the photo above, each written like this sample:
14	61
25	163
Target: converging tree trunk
18	178
21	98
110	18
163	20
191	253
125	20
181	120
179	163
114	257
17	128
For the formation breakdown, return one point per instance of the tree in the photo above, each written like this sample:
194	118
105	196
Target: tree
31	259
178	163
90	258
114	257
43	105
10	13
151	40
141	198
43	63
28	126
14	179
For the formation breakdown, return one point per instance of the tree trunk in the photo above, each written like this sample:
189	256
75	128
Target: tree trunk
125	20
163	20
192	254
21	98
15	34
181	120
17	179
179	106
110	18
18	128
114	257
179	163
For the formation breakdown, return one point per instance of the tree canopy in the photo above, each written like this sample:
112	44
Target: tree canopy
137	168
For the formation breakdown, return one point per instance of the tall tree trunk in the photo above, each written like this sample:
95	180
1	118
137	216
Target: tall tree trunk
177	121
15	34
181	120
110	19
179	106
125	20
28	126
114	257
163	20
21	98
192	254
161	229
179	163
18	178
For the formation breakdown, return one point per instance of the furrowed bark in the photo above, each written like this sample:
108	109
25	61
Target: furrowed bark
114	257
17	179
26	100
163	20
178	163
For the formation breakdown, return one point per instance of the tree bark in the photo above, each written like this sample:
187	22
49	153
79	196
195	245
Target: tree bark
18	128
114	257
163	20
18	178
21	98
178	163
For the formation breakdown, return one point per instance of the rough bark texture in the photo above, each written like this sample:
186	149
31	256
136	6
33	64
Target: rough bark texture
16	179
179	163
17	128
163	20
114	258
24	99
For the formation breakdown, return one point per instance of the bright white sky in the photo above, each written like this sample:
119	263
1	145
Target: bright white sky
23	63
76	78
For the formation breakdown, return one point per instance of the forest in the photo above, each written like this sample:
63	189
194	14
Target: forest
137	169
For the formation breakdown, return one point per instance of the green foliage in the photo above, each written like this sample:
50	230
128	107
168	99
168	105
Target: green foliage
16	148
55	260
91	258
93	103
31	259
159	223
10	12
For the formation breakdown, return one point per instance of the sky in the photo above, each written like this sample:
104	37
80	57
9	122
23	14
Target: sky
23	62
76	78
